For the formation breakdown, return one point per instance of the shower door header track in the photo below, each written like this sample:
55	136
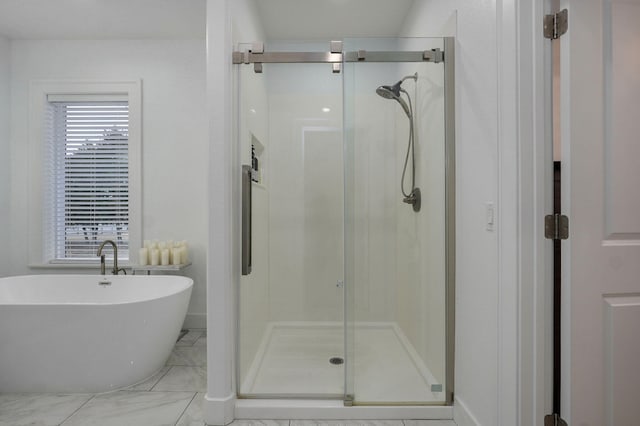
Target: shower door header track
257	56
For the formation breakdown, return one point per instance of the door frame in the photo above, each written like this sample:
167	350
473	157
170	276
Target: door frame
525	196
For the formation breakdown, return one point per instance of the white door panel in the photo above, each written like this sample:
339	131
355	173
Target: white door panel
600	120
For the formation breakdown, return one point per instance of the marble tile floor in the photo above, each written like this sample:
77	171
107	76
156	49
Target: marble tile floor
172	397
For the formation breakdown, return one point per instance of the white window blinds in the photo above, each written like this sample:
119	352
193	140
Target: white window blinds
88	178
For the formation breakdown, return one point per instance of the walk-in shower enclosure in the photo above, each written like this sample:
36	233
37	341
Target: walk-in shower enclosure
347	288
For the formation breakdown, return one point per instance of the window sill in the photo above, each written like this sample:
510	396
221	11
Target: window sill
76	265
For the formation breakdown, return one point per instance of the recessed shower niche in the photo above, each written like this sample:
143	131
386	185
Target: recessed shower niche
348	235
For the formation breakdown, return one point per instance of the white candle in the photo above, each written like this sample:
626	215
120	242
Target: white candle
176	256
155	257
143	256
184	252
147	244
164	258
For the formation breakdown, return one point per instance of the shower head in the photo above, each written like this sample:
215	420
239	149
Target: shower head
389	92
393	92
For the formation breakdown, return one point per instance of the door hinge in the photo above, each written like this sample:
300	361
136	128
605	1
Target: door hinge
556	24
556	227
554	420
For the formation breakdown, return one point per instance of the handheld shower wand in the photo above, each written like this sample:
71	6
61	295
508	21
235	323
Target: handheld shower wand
393	92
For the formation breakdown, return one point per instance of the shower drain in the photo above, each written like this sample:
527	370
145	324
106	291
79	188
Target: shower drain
336	360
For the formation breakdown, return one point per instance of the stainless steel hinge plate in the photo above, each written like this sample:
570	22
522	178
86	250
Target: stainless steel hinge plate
556	24
556	227
554	420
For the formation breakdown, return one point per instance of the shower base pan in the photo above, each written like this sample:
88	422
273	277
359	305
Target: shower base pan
303	359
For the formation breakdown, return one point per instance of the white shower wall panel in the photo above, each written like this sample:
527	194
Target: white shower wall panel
305	179
305	231
375	192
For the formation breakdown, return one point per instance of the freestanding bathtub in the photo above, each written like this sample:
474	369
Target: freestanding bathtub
76	333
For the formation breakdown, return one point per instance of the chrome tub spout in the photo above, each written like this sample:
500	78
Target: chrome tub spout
115	269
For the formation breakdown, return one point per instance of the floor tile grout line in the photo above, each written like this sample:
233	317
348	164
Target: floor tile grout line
159	379
77	409
195	394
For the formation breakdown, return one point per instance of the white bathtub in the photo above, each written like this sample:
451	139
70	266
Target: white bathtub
68	333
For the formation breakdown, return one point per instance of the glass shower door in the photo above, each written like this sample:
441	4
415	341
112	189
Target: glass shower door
398	256
350	293
291	333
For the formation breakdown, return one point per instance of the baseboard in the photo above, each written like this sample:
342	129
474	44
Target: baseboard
462	416
195	321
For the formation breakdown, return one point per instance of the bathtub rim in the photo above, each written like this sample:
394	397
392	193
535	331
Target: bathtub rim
189	284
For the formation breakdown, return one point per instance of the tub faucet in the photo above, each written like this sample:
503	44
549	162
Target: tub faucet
115	257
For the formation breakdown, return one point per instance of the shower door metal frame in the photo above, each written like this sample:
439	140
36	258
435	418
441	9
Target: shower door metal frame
450	212
257	56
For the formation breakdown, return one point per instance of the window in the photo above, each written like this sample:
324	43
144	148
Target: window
87	197
86	163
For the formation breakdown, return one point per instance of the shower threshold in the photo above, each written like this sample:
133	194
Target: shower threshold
308	409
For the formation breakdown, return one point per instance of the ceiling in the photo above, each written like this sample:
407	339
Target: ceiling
102	19
327	19
170	19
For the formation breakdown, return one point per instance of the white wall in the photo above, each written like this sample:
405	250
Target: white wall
5	158
174	136
227	23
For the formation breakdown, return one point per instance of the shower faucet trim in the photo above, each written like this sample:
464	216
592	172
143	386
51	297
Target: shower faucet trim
413	197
